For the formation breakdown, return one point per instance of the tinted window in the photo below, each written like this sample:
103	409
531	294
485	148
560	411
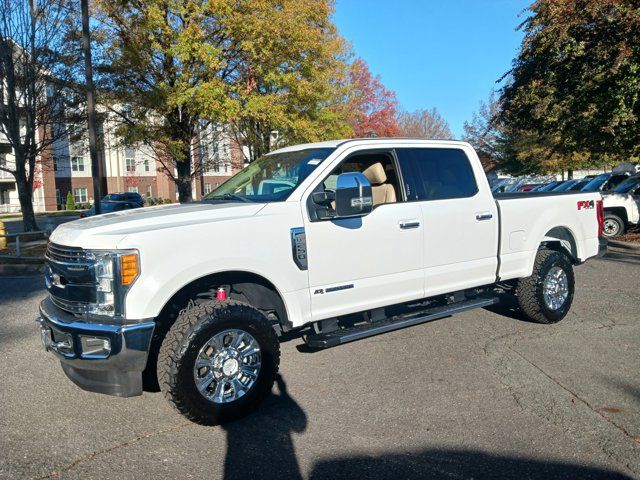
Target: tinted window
436	173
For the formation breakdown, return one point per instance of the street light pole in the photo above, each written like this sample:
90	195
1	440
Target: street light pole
96	170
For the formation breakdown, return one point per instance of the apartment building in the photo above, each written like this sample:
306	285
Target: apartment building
66	167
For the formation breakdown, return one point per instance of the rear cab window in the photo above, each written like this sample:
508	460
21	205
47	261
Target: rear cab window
436	173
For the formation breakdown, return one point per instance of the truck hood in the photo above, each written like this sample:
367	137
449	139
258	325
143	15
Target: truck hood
106	231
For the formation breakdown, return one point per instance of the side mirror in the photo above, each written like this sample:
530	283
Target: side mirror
353	195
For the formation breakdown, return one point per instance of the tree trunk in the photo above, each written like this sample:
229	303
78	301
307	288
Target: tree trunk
25	195
183	180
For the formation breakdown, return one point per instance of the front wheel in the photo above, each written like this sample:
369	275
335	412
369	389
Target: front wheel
218	361
546	296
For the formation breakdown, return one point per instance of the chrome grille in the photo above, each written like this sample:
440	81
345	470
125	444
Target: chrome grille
76	308
60	254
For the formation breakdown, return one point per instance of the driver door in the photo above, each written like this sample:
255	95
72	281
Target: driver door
359	263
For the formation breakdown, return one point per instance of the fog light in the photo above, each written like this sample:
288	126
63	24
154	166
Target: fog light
95	346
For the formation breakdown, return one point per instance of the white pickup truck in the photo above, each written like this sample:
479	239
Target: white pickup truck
361	237
622	207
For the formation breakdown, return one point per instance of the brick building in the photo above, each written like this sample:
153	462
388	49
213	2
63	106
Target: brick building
66	167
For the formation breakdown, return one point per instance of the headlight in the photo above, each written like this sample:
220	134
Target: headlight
115	272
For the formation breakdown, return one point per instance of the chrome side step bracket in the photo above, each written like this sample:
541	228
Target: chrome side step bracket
346	335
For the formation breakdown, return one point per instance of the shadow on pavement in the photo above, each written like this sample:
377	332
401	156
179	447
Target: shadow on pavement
508	307
12	288
458	464
622	257
261	445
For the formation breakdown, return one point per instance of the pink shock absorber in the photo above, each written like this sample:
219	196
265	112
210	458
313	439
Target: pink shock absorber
221	294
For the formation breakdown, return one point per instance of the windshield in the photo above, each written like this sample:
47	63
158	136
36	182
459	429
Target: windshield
565	186
271	178
113	196
627	185
595	184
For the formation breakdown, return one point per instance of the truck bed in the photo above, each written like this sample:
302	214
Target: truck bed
527	218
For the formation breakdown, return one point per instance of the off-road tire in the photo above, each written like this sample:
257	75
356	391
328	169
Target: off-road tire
614	218
192	329
529	290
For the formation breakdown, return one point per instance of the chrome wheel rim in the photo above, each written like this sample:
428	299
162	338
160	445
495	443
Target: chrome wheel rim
610	228
227	366
555	288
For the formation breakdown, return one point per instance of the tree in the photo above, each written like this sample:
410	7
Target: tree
37	69
370	107
484	132
572	96
71	202
424	124
181	65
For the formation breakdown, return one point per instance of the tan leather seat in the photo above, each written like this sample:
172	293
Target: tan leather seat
383	192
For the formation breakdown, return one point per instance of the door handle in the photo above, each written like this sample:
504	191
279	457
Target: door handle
410	224
484	216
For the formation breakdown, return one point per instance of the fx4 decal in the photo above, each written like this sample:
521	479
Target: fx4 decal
586	204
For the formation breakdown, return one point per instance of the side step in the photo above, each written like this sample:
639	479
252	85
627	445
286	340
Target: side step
345	335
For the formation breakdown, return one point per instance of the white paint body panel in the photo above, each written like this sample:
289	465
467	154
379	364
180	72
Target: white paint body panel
451	250
630	204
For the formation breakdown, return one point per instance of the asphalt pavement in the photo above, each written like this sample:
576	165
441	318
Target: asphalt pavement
482	394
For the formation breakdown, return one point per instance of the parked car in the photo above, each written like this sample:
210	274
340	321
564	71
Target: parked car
528	187
125	197
622	207
549	186
110	207
348	251
605	182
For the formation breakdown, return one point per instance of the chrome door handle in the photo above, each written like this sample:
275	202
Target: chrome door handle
484	216
409	225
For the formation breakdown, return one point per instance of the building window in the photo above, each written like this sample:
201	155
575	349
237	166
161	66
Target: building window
3	160
146	165
77	164
226	168
149	191
131	164
58	197
207	188
80	195
55	164
216	167
132	189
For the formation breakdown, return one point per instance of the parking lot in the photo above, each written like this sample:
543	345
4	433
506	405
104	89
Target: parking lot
479	395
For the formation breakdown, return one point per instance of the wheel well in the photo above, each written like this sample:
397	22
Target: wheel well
619	211
562	240
243	286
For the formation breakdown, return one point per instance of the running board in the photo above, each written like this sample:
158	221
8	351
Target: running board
345	335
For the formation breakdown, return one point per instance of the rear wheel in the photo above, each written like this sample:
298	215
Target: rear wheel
613	225
546	296
218	361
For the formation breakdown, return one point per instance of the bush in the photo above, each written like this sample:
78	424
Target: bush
150	201
71	203
167	200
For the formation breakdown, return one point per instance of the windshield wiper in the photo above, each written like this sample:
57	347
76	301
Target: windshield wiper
229	196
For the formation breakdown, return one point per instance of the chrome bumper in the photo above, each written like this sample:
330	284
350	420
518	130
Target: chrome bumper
99	358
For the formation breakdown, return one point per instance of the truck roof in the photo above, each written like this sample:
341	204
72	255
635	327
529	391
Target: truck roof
337	143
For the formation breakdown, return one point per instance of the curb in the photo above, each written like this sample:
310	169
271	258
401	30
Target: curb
625	245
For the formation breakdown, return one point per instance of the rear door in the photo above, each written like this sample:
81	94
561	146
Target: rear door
360	263
459	217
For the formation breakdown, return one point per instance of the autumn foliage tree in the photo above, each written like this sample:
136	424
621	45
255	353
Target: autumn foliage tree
259	66
370	107
572	97
424	124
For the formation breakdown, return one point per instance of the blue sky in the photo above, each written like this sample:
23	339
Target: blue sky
446	54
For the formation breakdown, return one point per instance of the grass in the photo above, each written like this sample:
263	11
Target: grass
30	254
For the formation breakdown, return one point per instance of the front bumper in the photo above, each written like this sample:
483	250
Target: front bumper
116	370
